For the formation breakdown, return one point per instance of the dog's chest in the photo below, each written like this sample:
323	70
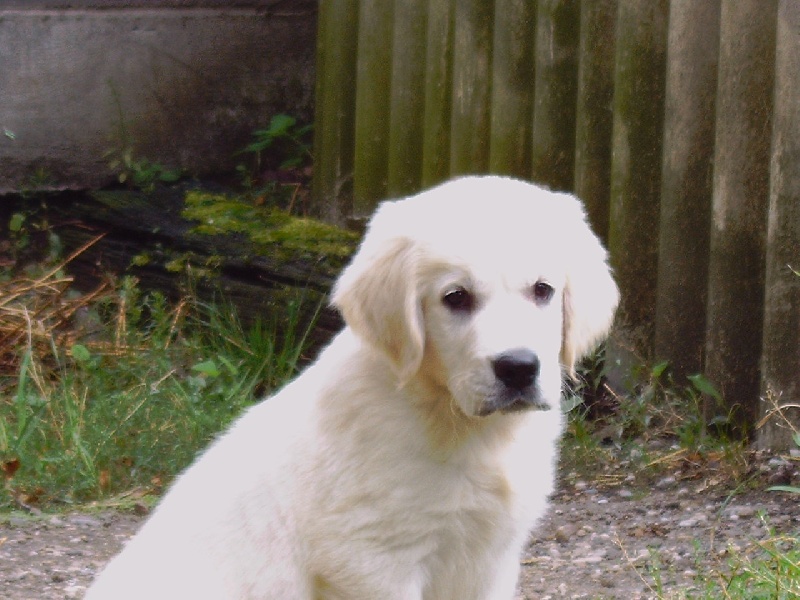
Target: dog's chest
452	510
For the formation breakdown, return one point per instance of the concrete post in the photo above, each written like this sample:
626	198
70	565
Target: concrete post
512	87
594	119
557	37
636	177
780	381
686	185
739	211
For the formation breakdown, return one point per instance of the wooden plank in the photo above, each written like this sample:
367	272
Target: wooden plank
407	114
553	146
594	118
472	76
438	92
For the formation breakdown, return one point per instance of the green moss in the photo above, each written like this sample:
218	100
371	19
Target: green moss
269	229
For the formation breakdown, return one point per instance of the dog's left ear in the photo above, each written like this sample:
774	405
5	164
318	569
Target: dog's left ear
378	297
590	294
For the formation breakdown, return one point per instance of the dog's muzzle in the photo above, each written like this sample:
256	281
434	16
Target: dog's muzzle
516	371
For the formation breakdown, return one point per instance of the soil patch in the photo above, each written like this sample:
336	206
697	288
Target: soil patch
615	542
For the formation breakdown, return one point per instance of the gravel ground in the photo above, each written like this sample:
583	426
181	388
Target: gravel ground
611	536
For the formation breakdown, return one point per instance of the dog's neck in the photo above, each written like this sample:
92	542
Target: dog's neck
450	432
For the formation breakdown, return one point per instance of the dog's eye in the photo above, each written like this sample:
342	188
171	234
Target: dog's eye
542	291
458	299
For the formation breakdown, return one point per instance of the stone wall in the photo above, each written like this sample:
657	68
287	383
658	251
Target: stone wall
179	82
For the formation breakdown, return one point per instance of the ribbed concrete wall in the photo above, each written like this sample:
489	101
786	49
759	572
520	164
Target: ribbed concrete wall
181	82
676	121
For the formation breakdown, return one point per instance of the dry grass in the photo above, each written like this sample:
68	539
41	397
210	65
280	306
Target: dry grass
36	313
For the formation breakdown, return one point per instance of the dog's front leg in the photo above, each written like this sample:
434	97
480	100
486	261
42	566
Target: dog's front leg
504	577
383	594
388	588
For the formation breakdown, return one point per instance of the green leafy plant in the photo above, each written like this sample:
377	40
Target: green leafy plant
139	172
285	139
30	236
131	169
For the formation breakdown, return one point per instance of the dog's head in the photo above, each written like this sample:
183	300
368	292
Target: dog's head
486	286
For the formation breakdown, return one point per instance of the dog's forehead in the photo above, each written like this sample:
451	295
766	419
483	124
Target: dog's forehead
483	210
507	265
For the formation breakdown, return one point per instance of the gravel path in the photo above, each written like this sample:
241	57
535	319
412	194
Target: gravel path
617	538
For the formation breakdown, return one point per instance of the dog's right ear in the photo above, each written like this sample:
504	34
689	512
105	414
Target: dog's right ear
590	295
378	297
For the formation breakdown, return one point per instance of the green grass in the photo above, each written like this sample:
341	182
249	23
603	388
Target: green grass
127	406
656	430
767	570
773	574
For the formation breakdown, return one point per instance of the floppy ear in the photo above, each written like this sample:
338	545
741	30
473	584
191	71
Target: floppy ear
590	294
378	297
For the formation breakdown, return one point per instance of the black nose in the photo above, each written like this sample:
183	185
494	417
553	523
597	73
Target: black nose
516	368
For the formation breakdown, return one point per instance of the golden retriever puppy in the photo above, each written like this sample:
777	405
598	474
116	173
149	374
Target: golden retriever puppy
413	458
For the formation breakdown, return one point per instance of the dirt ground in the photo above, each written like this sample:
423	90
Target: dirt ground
603	538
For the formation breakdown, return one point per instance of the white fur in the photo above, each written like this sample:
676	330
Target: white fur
371	475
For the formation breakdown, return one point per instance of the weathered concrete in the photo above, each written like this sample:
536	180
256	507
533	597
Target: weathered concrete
780	384
740	205
686	185
594	115
555	96
183	83
513	78
637	144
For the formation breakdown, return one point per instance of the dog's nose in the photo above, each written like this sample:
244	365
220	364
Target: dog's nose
516	368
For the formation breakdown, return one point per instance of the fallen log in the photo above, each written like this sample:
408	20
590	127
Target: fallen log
218	246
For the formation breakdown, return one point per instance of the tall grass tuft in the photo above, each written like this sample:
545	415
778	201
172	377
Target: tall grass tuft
127	399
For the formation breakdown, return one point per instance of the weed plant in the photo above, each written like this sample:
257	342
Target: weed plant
278	164
765	570
659	428
131	394
130	168
770	571
655	417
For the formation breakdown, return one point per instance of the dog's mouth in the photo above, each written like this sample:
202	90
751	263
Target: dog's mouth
522	404
513	404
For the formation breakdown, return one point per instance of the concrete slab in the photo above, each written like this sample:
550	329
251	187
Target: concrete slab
181	86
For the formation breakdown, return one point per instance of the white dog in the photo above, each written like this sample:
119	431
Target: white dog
412	459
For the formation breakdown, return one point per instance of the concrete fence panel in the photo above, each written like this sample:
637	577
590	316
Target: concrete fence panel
675	121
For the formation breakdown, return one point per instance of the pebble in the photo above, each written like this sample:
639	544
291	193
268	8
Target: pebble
596	542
